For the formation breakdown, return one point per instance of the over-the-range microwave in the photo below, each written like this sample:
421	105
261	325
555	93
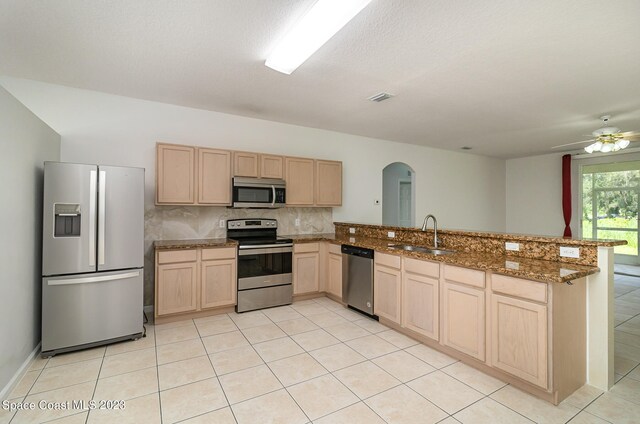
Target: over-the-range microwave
258	193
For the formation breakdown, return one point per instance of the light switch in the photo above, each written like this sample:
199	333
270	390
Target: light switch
512	246
352	230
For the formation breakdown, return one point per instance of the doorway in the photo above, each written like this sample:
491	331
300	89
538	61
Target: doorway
398	195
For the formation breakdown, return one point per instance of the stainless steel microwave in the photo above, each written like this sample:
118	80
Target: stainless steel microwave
258	193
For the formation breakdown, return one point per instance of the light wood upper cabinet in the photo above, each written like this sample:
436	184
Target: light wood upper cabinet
214	177
387	283
328	183
245	164
218	283
519	338
420	297
334	283
176	283
272	167
463	319
175	174
299	175
306	268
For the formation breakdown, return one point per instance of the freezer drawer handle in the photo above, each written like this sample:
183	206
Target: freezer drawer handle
99	279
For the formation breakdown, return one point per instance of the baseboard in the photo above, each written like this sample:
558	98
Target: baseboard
149	309
19	374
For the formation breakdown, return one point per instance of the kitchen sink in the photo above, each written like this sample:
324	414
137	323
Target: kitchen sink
411	248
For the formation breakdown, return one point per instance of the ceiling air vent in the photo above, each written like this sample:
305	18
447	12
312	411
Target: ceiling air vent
380	97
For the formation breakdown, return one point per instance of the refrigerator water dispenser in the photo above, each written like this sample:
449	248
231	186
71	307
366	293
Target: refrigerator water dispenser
66	221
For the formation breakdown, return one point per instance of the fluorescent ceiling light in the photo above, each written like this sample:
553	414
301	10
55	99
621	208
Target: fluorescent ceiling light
323	20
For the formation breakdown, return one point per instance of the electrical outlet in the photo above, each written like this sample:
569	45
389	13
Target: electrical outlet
569	252
297	222
511	265
221	223
391	234
352	230
512	246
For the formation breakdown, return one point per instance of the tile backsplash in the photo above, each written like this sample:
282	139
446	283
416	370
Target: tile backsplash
191	222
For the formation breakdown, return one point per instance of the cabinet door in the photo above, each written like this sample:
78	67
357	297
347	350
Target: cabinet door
177	288
214	172
420	304
463	319
519	338
386	292
306	268
245	164
328	183
335	275
299	175
271	167
218	283
175	174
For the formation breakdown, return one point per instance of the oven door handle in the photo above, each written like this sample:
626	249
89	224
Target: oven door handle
265	251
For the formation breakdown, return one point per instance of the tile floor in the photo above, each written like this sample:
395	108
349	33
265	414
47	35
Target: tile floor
313	361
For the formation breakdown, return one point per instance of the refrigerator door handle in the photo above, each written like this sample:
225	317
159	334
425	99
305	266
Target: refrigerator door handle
101	215
92	218
87	280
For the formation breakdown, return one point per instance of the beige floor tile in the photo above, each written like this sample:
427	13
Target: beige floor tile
630	327
403	366
322	396
614	409
586	418
273	408
297	326
623	365
347	331
80	418
627	351
635	374
246	384
211	318
219	326
315	339
309	309
488	411
235	360
282	313
127	362
177	334
617	377
25	384
249	319
145	409
226	341
131	345
474	378
329	304
431	356
445	391
127	386
358	413
583	396
371	346
79	392
221	416
6	413
337	356
184	372
370	325
191	400
366	379
297	369
179	351
627	338
67	375
449	420
533	408
277	349
38	363
327	319
397	339
175	324
72	357
263	333
350	315
628	389
402	405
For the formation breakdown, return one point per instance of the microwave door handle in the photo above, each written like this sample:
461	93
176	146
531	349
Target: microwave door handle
273	200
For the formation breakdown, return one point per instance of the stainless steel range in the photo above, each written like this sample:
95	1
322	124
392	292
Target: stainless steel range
264	264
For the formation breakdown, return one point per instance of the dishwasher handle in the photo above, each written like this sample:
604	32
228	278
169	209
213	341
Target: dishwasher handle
356	251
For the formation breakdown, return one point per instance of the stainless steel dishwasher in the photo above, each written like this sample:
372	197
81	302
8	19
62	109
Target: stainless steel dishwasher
357	278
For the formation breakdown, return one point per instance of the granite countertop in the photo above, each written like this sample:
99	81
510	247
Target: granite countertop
193	244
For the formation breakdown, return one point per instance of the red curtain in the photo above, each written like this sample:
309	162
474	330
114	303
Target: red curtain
566	194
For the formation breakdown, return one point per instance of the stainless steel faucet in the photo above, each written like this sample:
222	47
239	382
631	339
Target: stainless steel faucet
435	228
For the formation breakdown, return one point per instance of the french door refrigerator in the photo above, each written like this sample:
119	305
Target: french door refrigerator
92	256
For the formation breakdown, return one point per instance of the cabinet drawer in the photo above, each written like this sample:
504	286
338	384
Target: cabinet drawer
335	249
518	287
218	253
416	266
391	261
306	247
471	277
176	256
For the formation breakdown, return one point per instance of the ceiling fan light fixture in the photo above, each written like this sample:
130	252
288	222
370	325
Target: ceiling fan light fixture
597	146
606	148
322	21
623	143
589	148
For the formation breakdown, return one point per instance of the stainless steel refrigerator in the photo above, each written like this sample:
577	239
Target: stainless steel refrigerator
92	256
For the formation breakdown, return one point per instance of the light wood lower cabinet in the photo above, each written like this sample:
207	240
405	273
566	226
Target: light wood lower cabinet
176	287
334	275
463	319
219	286
420	297
306	268
387	282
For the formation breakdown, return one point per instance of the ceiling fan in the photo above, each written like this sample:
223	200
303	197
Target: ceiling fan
606	139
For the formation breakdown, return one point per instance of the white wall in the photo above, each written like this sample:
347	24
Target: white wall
463	190
25	143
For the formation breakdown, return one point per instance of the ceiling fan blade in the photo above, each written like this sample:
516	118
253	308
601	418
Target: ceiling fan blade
574	143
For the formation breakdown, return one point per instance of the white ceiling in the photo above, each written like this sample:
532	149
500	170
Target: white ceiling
509	78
